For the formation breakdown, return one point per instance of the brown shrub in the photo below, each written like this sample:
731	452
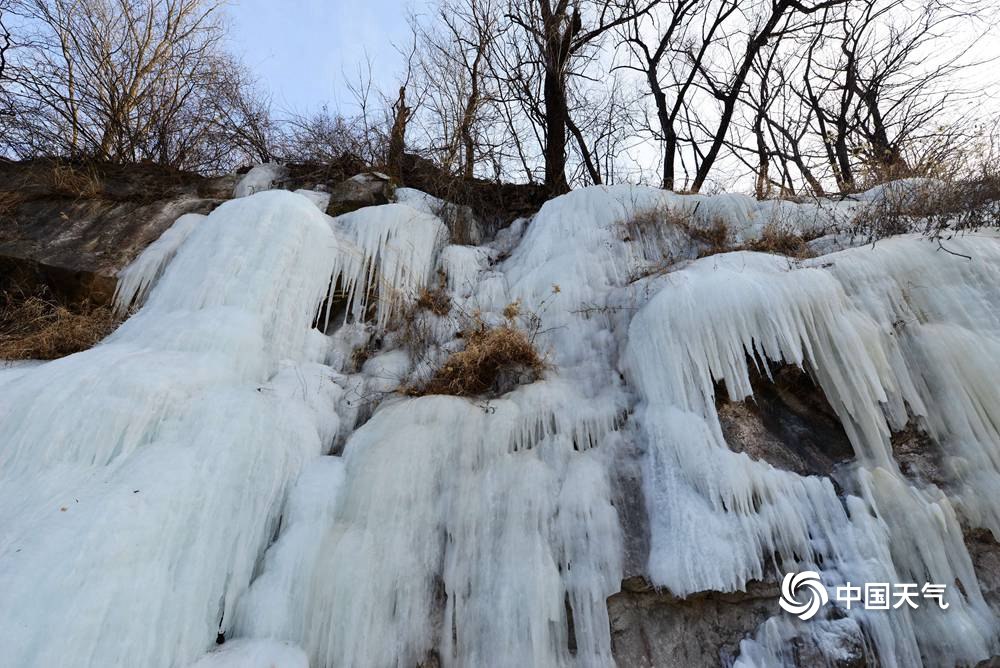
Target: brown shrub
650	223
39	327
435	300
495	359
77	182
10	200
715	237
362	354
932	209
781	240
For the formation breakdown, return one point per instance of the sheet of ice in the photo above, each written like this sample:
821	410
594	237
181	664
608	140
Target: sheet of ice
462	266
397	251
454	215
254	654
319	198
135	280
506	522
864	324
260	178
141	480
11	369
473	532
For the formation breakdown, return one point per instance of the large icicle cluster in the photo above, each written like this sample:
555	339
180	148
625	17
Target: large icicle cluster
176	481
141	480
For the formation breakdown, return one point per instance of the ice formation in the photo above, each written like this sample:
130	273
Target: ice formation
212	467
260	178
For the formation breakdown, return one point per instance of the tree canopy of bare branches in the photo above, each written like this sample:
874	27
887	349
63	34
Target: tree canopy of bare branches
127	81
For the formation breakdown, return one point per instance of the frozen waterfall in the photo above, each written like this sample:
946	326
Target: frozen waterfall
217	467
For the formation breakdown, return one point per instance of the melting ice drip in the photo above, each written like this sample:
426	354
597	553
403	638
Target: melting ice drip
174	481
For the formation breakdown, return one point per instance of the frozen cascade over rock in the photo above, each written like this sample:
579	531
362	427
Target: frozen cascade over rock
176	481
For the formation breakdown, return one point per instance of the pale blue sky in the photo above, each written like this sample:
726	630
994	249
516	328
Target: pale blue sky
302	49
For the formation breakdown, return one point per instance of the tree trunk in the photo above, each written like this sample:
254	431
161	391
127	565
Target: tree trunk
588	160
397	135
555	131
666	128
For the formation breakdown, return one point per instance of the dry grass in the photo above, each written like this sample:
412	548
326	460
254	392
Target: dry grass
650	223
77	182
713	239
494	360
780	240
362	354
10	201
435	300
716	238
51	180
934	209
39	327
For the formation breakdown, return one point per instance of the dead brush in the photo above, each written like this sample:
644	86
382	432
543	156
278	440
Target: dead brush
651	224
935	209
81	182
780	240
716	238
435	300
10	201
39	327
494	360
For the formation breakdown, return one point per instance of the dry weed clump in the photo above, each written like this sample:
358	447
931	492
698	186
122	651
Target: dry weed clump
780	240
81	182
651	223
494	360
42	328
934	208
10	200
716	238
435	300
713	239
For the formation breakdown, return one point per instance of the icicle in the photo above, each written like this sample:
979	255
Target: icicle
397	250
141	480
135	280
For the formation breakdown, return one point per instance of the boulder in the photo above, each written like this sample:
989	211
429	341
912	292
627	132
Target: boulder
71	228
365	189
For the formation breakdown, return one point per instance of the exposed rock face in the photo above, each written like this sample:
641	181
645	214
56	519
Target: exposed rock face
365	189
73	228
650	628
787	423
918	459
985	553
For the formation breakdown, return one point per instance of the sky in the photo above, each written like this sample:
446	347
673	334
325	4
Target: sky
304	50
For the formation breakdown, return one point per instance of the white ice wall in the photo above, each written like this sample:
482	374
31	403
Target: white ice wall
175	480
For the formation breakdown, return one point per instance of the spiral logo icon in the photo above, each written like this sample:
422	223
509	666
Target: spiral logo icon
809	583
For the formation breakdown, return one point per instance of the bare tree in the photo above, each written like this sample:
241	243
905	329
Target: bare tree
683	52
453	60
6	103
867	92
4	38
727	85
117	80
561	31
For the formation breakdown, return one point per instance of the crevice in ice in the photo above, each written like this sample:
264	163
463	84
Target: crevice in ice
787	422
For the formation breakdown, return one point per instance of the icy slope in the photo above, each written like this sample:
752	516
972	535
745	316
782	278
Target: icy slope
177	481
